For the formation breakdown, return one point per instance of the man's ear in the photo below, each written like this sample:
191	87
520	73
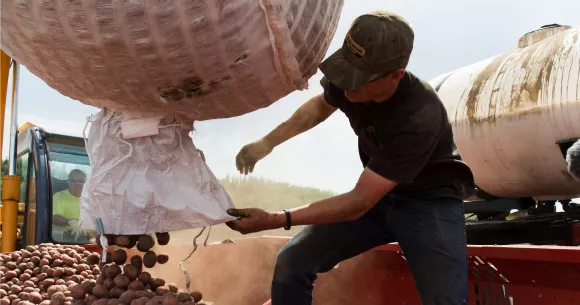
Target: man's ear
398	74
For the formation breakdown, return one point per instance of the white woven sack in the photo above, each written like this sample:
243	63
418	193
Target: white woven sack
147	176
203	59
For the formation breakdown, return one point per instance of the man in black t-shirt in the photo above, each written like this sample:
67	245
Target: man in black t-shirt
410	190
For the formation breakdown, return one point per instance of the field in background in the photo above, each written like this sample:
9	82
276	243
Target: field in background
249	192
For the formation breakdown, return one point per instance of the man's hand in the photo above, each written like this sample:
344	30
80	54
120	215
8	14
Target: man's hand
76	231
250	154
254	220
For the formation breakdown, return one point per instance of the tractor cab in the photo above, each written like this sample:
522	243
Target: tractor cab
44	162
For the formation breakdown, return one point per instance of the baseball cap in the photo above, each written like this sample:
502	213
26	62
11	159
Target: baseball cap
377	43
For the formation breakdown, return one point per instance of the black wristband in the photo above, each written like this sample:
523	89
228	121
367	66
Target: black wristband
288	220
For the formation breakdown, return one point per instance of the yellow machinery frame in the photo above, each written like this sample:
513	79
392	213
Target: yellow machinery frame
10	182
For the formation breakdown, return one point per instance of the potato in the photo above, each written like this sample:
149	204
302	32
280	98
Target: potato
57	263
172	287
60	282
102	301
45	302
77	278
28	289
162	238
122	281
82	267
122	241
131	272
140	301
93	259
183	297
155	301
145	277
162	290
48	282
4	301
100	291
116	292
70	271
23	296
114	302
15	289
101	279
149	259
162	258
58	272
84	274
112	271
158	282
77	291
25	277
96	271
28	284
16	301
169	299
109	283
10	274
11	265
68	299
196	295
57	299
88	286
135	285
119	257
69	260
55	289
137	261
34	297
145	243
4	287
44	262
127	297
90	299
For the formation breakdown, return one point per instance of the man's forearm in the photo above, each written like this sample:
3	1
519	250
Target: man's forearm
344	207
60	220
310	114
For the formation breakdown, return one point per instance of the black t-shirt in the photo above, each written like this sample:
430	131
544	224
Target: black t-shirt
407	139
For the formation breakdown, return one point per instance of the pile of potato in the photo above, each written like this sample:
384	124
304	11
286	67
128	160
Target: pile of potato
41	274
69	275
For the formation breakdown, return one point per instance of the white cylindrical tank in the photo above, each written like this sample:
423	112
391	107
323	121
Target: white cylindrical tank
509	113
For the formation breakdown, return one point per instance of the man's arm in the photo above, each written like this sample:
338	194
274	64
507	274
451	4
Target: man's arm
60	220
57	211
369	189
310	114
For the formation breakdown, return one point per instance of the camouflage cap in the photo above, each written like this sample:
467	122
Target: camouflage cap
377	43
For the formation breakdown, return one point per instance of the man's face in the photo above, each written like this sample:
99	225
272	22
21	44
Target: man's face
378	91
75	184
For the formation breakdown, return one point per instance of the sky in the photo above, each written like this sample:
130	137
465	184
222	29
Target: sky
449	34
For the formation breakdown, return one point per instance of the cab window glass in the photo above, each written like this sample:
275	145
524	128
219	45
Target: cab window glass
69	167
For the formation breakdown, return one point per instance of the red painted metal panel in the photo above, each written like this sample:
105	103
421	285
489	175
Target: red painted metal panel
535	275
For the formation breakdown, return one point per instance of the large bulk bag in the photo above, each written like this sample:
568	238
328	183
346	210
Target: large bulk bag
147	176
201	59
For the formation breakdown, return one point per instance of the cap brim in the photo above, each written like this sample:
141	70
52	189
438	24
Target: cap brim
341	73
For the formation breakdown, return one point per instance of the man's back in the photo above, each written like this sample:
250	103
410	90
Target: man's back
407	138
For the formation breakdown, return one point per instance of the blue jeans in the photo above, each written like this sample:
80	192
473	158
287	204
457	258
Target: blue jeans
431	234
